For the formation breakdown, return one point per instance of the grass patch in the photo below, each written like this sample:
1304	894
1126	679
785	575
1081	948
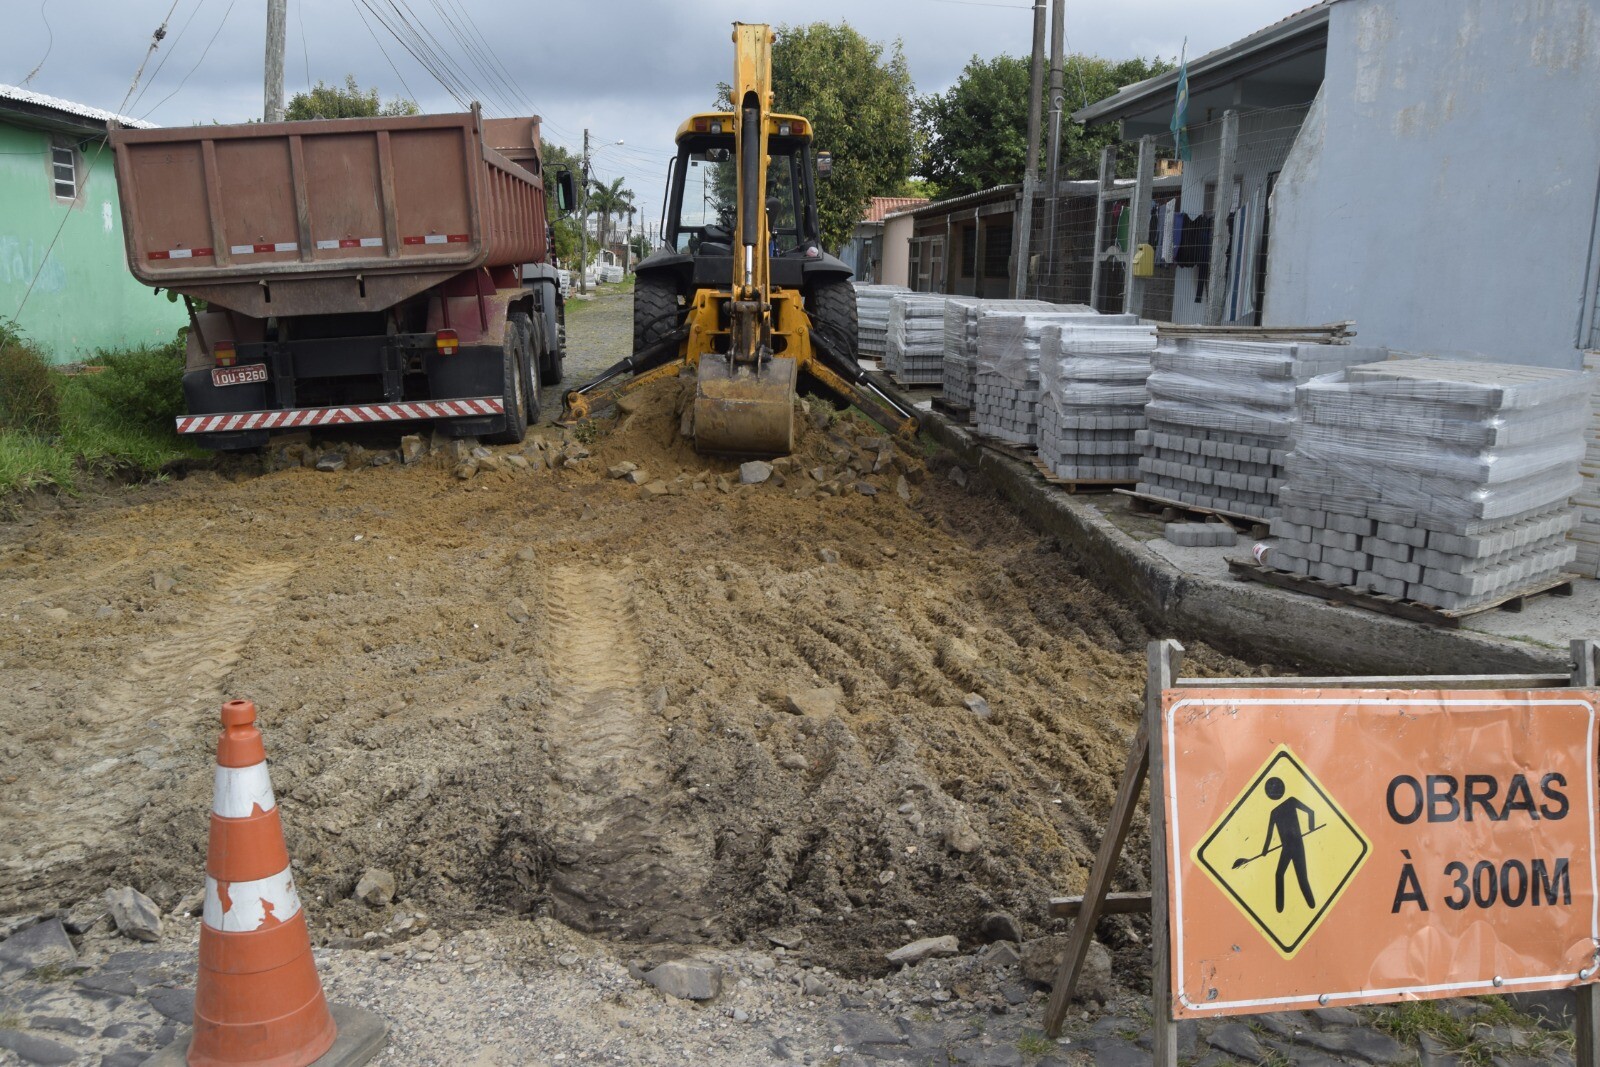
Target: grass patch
50	972
1034	1044
10	1021
1467	1039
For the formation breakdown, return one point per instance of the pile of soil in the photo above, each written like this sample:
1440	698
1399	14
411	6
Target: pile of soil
854	704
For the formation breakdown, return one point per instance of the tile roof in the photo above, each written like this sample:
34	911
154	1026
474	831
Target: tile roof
887	205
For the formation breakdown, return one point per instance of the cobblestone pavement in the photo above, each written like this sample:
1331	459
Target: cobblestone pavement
599	332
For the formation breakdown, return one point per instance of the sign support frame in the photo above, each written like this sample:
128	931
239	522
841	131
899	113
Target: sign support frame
1146	761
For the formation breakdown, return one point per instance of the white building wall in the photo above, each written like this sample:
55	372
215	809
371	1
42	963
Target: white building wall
1445	197
897	249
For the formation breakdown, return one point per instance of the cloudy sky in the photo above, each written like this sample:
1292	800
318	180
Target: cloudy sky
627	70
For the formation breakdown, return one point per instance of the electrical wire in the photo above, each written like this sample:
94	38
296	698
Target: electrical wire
430	40
171	48
375	40
417	51
203	53
49	44
305	52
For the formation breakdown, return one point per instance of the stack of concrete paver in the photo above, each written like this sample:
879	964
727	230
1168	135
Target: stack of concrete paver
1219	418
872	317
961	340
1438	482
1005	398
914	353
1092	379
1585	534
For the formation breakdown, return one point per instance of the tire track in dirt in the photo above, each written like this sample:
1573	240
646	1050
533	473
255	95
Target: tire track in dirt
622	866
167	685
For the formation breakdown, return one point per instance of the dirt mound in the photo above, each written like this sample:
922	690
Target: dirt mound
857	702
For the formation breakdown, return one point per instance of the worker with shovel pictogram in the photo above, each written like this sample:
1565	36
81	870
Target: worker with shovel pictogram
1284	822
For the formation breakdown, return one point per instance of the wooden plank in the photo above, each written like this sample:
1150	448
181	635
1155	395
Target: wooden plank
1165	657
1076	485
1113	904
1379	681
1586	1007
1153	502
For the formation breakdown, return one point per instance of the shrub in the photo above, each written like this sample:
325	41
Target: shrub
28	400
140	387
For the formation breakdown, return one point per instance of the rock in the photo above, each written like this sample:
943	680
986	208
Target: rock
958	475
135	914
926	948
827	555
127	1057
637	477
628	403
686	979
412	448
60	1024
1237	1041
162	583
84	916
866	489
36	1049
1118	1052
1042	956
902	488
723	486
980	1055
106	986
40	945
999	926
189	905
622	470
978	706
516	462
659	700
961	838
812	986
1361	1042
740	1015
330	461
175	1004
382	459
754	472
793	761
815	702
517	611
376	887
1001	954
881	461
490	463
653	490
466	469
525	554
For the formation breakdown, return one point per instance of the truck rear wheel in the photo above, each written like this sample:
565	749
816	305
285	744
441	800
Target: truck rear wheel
550	370
514	357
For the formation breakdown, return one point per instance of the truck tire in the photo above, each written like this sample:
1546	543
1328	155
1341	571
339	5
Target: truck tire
536	359
551	371
514	356
832	306
655	309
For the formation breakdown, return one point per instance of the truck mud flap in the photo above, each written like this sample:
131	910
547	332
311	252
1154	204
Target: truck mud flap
474	370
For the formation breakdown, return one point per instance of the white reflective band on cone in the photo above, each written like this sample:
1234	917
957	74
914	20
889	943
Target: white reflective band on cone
250	903
238	791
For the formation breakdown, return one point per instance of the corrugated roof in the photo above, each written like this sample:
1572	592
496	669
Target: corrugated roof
68	107
994	192
888	205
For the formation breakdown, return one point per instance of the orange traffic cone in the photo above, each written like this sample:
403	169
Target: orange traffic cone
258	1000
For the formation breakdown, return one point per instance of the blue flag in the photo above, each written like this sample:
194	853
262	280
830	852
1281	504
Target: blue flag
1180	111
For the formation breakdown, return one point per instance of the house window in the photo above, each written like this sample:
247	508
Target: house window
64	171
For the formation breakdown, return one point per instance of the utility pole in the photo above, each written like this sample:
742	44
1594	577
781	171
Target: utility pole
277	32
627	249
583	220
1058	15
1030	177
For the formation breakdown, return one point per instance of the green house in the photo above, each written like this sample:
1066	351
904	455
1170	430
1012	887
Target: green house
63	269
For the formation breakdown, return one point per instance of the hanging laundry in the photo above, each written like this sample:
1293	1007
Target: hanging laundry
1166	209
1119	219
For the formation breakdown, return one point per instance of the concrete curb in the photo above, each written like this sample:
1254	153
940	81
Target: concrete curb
1248	621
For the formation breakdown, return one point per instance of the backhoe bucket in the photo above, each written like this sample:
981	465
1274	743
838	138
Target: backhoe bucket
740	411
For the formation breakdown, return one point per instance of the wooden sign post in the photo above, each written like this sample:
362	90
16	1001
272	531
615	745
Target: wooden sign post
1322	841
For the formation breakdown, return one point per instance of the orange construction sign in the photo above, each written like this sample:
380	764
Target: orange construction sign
1336	847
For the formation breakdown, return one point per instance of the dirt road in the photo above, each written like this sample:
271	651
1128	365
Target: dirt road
681	713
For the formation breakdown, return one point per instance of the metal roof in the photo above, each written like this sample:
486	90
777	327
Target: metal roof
99	117
935	207
1137	98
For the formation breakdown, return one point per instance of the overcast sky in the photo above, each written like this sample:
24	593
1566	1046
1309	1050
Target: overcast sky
624	69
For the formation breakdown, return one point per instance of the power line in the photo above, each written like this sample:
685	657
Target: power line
171	48
305	52
203	53
385	51
414	46
49	45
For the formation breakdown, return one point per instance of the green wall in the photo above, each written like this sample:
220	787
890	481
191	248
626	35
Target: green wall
85	298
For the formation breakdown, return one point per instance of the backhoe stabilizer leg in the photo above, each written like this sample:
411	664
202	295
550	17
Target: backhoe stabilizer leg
887	410
597	392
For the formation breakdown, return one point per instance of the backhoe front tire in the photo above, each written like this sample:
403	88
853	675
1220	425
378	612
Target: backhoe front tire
832	307
655	309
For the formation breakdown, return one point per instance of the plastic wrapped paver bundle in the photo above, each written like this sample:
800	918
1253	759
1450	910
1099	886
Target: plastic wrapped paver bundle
914	353
1092	379
1220	415
1586	526
1438	482
872	317
961	339
1005	400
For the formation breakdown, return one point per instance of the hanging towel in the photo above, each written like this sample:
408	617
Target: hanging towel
1167	209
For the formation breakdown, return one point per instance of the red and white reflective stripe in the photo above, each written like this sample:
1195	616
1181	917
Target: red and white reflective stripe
240	792
240	907
439	239
298	417
351	242
183	253
269	246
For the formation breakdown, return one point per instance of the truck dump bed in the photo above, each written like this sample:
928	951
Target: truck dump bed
327	216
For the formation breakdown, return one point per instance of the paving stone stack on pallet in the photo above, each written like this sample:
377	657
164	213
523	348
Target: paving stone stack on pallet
1443	483
1586	525
872	317
1005	396
961	340
1092	379
1219	418
915	350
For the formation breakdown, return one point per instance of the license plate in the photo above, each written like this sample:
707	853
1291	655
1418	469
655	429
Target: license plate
250	372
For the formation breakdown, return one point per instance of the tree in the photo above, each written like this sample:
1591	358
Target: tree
609	200
351	102
975	134
858	95
563	231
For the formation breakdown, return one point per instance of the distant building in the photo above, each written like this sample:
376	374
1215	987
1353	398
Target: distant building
864	253
61	233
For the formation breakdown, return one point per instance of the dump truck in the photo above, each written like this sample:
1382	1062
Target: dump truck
743	292
351	271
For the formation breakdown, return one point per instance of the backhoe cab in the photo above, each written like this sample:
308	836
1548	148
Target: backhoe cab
742	291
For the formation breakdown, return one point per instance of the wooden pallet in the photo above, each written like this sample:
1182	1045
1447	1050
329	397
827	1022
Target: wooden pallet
1513	600
960	413
1168	509
1020	453
894	379
1077	485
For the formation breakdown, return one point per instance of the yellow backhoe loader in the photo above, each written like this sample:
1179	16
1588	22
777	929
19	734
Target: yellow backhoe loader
742	292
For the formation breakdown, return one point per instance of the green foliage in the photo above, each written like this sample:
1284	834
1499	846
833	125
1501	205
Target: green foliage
27	393
350	102
564	231
1033	1043
975	134
140	388
858	95
607	201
